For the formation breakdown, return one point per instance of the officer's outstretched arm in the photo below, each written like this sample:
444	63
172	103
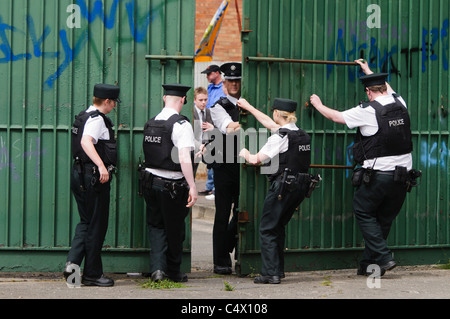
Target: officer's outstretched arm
253	159
330	114
184	156
233	127
262	118
89	148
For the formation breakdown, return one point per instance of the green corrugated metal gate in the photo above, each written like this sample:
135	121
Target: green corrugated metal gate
48	68
412	44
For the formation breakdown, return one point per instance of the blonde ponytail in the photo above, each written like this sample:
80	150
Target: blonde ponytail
289	117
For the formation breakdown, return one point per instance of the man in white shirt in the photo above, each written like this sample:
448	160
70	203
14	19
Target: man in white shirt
383	147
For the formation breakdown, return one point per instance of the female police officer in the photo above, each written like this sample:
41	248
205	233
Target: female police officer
94	152
292	146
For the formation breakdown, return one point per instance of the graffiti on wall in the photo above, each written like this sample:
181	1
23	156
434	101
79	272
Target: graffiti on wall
434	43
138	28
33	155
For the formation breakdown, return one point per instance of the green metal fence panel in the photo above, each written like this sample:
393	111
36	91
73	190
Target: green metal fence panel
411	43
52	54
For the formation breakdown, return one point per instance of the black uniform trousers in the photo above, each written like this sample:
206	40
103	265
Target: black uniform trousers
226	183
93	208
166	227
275	216
376	205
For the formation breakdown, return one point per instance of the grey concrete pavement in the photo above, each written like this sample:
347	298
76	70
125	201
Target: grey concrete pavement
412	282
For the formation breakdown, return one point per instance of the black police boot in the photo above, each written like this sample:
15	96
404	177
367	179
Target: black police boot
222	270
388	266
100	282
158	275
267	280
180	277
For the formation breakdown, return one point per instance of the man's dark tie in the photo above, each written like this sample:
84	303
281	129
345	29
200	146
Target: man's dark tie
203	116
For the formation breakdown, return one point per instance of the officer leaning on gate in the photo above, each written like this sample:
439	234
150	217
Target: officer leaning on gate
290	183
167	183
383	147
225	115
95	154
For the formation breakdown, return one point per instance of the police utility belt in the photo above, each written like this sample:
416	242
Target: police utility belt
400	175
175	188
290	181
90	167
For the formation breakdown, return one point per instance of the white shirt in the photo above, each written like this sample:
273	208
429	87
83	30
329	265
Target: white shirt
182	137
95	127
220	117
276	144
366	120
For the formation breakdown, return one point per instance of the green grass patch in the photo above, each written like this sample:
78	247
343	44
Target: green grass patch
444	266
228	286
163	284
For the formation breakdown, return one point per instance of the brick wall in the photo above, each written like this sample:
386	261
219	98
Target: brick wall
228	45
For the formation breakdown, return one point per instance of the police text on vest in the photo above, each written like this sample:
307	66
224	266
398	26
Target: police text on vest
153	139
398	122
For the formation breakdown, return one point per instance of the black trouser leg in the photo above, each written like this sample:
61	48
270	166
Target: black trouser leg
226	182
166	225
275	216
376	205
93	208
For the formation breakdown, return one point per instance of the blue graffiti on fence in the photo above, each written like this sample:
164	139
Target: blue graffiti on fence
383	58
434	156
138	30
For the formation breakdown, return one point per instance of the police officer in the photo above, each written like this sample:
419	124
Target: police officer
290	147
95	155
383	147
169	187
225	115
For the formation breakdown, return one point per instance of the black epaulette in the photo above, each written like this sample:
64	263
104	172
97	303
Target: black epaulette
224	102
183	120
95	113
364	104
282	132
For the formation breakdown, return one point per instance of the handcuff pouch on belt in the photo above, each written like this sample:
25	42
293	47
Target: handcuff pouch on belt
289	182
400	175
80	169
176	189
95	181
411	180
